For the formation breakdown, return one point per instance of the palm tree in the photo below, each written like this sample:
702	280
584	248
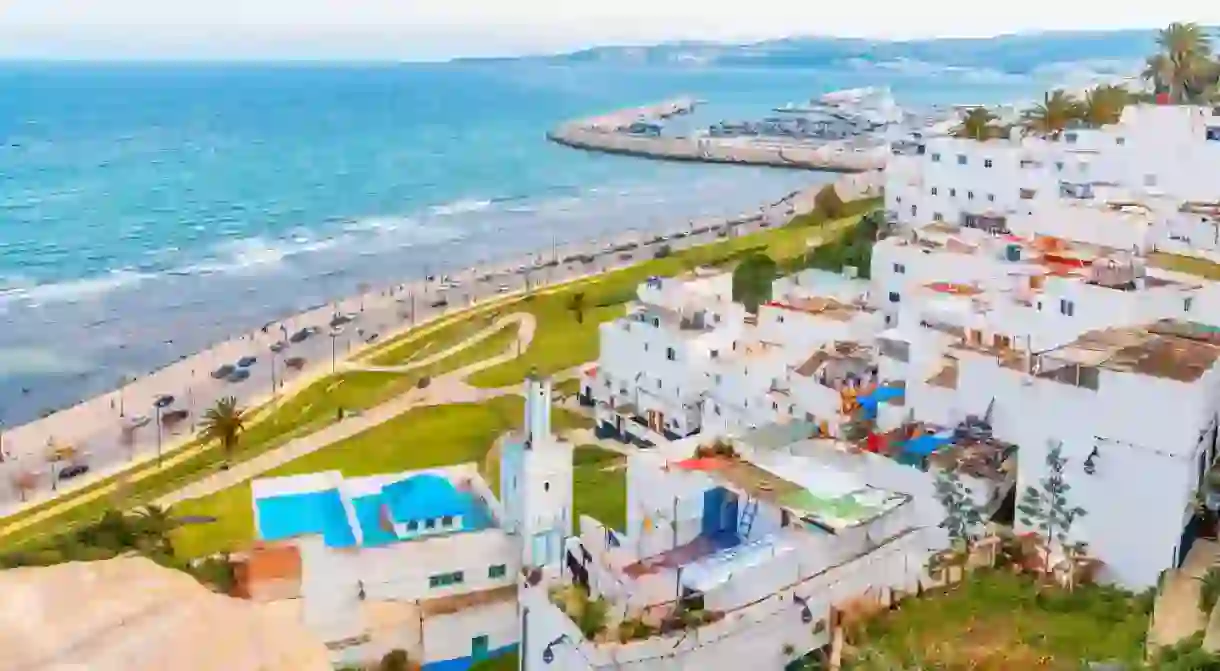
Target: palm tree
224	422
977	124
1104	104
1184	64
1053	114
577	305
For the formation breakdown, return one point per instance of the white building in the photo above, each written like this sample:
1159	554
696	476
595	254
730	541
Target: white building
729	561
423	561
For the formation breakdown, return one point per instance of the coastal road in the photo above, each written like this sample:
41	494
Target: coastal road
113	431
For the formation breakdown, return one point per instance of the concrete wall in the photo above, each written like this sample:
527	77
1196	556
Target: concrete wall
449	639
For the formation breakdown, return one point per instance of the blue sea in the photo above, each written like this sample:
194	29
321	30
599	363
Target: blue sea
147	211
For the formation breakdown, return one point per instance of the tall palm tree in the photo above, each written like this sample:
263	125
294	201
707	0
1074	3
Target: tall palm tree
977	124
1184	62
224	422
1103	104
1053	114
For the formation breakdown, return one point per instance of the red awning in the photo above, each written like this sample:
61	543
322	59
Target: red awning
708	464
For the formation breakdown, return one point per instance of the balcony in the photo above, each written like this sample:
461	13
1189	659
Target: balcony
1076	191
991	223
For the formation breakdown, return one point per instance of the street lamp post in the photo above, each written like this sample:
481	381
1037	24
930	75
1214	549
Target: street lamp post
333	335
160	404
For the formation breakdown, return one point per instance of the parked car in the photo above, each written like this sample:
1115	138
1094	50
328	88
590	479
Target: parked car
239	375
295	362
136	421
300	336
246	361
223	372
502	289
340	320
277	347
73	471
440	303
174	416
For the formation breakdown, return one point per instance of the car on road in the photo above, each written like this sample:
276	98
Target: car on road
239	375
174	416
277	347
136	421
341	319
372	338
502	289
295	362
223	371
73	471
440	303
300	336
246	361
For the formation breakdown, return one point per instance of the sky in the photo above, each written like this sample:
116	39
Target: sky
439	29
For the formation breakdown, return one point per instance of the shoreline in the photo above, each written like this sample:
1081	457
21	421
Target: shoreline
92	424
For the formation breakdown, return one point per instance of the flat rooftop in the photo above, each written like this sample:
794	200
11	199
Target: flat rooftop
370	511
822	306
1167	349
825	497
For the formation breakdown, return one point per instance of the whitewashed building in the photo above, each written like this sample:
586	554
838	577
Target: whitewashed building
424	561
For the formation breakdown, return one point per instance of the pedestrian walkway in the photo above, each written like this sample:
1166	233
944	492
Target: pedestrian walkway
445	389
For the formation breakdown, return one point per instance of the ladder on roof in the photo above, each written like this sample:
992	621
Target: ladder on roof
747	518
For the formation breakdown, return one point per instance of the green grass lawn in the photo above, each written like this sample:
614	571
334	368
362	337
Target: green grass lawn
422	438
506	662
599	486
563	340
999	622
405	350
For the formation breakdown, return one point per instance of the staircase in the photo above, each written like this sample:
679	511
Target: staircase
747	518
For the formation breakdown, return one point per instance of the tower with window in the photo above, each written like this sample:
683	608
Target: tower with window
536	480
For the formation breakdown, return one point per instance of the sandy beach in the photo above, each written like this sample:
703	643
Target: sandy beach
94	427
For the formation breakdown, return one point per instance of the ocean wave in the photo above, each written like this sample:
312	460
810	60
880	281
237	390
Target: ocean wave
254	255
460	207
71	291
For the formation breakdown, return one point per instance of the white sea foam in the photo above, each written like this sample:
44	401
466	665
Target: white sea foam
71	291
460	207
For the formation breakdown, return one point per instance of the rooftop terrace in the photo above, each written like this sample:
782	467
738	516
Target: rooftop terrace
1167	349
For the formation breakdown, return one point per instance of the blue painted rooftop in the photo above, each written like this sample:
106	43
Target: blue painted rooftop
417	498
292	515
423	497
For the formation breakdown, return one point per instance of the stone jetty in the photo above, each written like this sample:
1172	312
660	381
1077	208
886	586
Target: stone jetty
609	134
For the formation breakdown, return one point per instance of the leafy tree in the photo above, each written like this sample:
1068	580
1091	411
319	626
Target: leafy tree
1046	507
224	422
828	202
577	305
1052	115
1184	67
394	660
1104	104
963	521
977	124
752	280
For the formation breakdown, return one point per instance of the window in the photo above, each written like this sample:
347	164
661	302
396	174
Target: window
969	195
900	269
914	210
774	405
716	318
961	159
991	197
780	319
934	190
716	409
1059	166
546	486
1187	303
718	378
937	216
656	322
894	297
1120	141
645	347
1070	138
412	526
497	571
953	193
715	354
1149	180
658	384
671	354
1066	307
430	524
987	163
446	579
1027	194
935	157
447	521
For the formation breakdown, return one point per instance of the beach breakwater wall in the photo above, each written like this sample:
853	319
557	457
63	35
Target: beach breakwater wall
608	134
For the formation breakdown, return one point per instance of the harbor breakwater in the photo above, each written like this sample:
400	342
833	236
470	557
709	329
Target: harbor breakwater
611	134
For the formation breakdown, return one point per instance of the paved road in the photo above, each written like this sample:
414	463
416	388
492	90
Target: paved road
95	427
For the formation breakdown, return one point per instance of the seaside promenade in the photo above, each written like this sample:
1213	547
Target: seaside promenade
93	427
611	133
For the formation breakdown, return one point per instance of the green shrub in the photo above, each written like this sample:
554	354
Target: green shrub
394	660
1209	590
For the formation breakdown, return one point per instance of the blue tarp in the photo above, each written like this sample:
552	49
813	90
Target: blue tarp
869	402
925	444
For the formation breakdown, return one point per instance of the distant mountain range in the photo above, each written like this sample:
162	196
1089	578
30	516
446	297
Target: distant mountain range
1019	53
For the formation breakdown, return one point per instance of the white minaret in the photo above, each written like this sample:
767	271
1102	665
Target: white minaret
536	481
